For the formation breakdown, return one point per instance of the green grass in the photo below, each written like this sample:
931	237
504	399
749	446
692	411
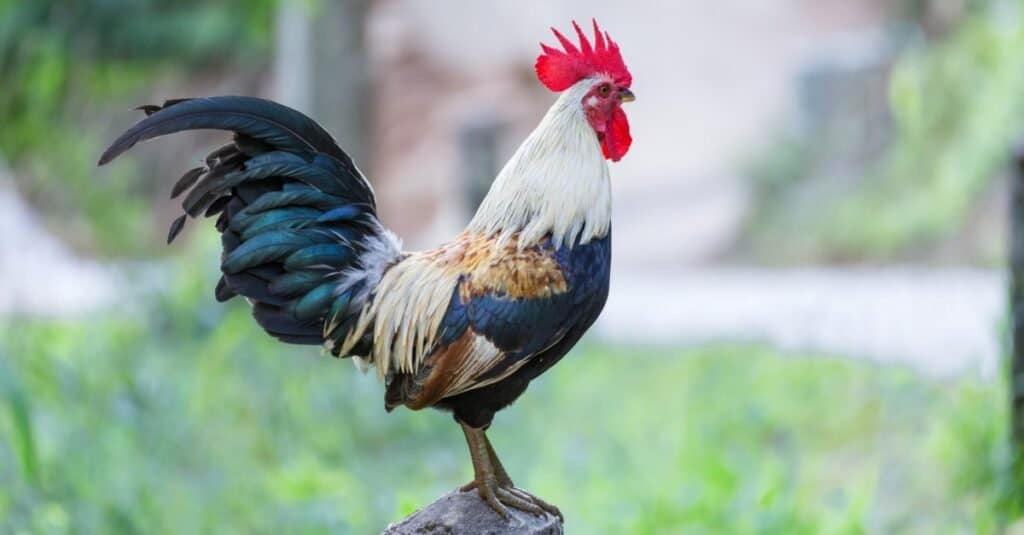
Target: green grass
70	68
178	416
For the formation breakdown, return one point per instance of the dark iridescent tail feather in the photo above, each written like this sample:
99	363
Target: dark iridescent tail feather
296	216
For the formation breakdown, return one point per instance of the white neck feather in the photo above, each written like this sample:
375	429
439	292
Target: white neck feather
557	182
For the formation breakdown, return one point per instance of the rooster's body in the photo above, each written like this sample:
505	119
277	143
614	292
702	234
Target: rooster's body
464	327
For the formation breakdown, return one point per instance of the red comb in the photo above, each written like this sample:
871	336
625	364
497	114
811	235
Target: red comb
558	70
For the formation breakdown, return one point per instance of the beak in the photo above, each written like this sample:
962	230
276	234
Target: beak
625	95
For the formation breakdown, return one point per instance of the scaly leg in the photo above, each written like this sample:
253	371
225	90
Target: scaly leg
506	481
493	483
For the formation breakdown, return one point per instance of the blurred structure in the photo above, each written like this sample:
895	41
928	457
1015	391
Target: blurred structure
321	67
699	109
843	95
761	132
479	148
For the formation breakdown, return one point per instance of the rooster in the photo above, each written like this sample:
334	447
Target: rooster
464	327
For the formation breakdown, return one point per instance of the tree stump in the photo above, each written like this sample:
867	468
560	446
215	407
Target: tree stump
458	513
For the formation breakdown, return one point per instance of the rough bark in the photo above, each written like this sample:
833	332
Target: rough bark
458	513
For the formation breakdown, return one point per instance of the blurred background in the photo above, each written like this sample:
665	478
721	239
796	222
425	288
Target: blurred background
807	322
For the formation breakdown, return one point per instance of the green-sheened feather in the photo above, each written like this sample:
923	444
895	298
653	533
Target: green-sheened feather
217	206
259	119
176	227
194	207
314	304
291	218
353	185
296	197
339	307
296	282
186	181
293	166
319	255
216	184
294	211
285	224
343	213
267	247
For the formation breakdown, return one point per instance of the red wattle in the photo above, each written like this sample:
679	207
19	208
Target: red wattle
616	139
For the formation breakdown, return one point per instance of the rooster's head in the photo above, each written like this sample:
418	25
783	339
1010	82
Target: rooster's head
600	67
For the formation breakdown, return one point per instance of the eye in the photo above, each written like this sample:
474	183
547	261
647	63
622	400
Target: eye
604	89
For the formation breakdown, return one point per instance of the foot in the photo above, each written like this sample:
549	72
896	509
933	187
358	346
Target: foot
492	482
499	494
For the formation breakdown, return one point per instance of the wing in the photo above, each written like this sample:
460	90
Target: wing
509	306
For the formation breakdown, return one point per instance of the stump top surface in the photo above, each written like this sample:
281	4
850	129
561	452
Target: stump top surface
458	513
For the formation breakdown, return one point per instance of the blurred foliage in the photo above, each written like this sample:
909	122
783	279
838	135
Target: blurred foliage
177	415
957	108
66	63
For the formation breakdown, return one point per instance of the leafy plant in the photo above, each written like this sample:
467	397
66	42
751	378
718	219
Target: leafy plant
64	65
957	112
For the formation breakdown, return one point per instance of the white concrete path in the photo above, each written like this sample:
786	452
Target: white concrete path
939	321
40	275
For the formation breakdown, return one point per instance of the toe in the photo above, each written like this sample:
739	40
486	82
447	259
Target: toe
538	502
499	496
507	497
488	494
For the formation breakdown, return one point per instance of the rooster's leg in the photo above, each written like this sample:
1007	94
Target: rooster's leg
493	483
503	479
499	470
